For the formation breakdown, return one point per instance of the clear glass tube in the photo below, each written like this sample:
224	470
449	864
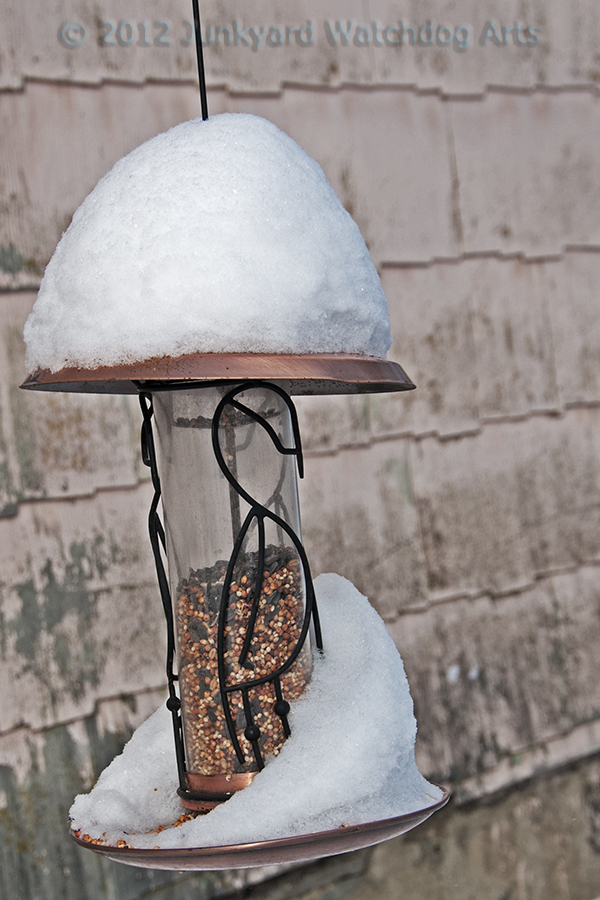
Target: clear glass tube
206	516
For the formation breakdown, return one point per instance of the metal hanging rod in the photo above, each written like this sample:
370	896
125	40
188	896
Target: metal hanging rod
200	57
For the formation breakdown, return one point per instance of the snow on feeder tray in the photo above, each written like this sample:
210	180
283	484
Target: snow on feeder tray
268	292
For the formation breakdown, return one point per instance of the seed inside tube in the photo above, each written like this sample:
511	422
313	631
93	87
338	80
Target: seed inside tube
276	631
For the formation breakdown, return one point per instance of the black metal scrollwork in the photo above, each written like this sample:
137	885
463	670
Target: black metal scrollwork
257	514
157	540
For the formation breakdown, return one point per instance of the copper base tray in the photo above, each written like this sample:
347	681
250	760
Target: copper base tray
301	848
317	373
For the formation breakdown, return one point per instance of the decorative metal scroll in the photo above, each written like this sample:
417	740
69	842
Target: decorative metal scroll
258	513
157	540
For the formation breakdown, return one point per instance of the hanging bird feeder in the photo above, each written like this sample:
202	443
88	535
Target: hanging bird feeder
220	436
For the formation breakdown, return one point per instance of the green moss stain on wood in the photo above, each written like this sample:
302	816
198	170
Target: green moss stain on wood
25	442
51	603
12	262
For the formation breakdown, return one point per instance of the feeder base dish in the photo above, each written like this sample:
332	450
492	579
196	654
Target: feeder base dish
301	848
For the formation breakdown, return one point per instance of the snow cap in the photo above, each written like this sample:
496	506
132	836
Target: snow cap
218	236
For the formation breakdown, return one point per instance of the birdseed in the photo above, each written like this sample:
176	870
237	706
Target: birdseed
277	628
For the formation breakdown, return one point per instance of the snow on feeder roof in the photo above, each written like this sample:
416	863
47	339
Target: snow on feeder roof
219	238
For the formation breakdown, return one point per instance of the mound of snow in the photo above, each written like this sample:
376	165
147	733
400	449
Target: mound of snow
214	237
350	758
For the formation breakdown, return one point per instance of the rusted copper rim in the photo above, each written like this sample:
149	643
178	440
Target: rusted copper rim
220	784
207	791
199	806
263	853
307	374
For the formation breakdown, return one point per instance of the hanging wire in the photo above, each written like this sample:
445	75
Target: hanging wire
200	57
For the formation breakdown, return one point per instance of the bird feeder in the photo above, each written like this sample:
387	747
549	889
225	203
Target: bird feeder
220	436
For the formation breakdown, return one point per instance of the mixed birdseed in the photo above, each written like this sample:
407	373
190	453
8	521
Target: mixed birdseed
209	750
122	845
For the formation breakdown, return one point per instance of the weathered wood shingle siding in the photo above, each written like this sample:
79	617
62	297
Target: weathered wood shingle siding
468	512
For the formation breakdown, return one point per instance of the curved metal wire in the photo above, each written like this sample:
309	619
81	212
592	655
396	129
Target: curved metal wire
157	540
259	513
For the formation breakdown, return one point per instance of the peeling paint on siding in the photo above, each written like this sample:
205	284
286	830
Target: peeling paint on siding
78	657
